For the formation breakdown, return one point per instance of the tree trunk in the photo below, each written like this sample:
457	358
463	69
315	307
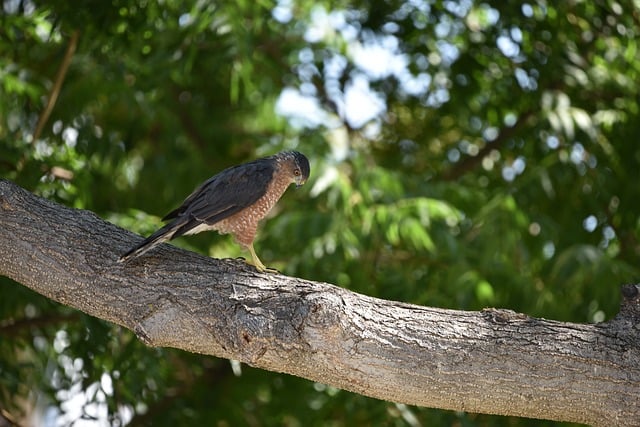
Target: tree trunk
494	361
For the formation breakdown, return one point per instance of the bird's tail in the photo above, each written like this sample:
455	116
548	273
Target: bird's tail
160	236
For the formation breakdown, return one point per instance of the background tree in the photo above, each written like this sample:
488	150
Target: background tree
463	155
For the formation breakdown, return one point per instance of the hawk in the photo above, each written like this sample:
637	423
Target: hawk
232	202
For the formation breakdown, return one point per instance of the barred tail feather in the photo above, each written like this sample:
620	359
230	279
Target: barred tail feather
160	236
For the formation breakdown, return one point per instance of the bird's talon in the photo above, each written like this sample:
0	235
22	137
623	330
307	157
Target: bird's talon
263	269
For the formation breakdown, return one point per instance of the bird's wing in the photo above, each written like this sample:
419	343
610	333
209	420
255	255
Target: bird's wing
223	195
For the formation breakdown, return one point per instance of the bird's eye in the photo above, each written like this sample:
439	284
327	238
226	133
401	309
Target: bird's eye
296	172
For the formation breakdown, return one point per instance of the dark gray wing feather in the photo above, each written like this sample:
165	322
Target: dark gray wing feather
162	235
223	195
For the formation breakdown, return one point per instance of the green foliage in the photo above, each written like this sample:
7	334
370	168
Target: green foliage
493	162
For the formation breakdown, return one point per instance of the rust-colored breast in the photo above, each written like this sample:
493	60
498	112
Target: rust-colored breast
244	224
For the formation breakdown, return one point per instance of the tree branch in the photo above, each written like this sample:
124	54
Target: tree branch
471	162
13	327
494	361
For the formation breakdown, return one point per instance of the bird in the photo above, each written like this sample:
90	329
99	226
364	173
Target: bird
232	202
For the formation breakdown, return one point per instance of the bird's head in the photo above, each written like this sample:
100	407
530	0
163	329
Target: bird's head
298	165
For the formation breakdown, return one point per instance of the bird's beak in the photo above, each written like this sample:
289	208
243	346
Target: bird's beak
300	182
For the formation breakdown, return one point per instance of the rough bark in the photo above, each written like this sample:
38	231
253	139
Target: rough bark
493	361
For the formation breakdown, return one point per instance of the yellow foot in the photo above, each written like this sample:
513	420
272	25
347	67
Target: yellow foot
258	264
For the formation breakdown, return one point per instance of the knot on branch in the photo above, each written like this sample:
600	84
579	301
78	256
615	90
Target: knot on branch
630	304
6	188
502	316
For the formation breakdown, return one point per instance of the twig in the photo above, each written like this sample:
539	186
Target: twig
57	85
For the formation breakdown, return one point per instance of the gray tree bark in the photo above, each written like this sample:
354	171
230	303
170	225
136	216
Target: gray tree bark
494	361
